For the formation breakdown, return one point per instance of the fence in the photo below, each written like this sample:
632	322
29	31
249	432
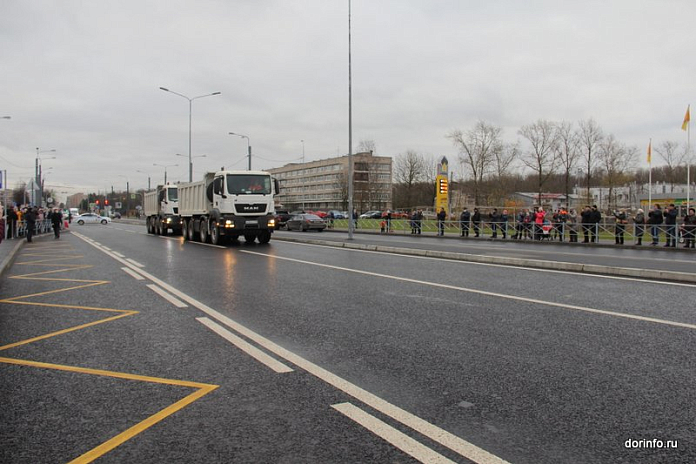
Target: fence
41	227
591	233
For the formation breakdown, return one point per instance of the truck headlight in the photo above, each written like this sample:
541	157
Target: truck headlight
271	223
169	220
229	224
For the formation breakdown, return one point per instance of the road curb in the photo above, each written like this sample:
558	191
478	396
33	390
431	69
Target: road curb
10	256
649	274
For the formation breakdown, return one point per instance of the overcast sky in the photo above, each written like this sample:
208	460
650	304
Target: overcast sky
83	78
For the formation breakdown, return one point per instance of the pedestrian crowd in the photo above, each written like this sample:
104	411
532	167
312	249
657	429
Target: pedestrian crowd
28	221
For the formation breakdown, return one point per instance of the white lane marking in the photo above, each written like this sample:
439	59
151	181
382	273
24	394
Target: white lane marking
134	262
435	433
483	292
206	244
245	346
118	254
385	431
132	274
167	296
504	266
97	243
107	248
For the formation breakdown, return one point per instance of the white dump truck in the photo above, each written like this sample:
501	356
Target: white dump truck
162	210
228	204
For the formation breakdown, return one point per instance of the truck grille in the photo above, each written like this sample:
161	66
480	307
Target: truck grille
255	208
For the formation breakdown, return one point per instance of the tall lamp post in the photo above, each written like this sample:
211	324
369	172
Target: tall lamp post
127	194
190	100
165	166
5	177
191	165
38	180
148	178
248	147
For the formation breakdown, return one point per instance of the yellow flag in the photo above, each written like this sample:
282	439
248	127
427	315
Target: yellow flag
687	118
650	152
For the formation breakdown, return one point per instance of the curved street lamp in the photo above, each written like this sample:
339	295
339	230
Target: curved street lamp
248	146
190	100
165	166
191	163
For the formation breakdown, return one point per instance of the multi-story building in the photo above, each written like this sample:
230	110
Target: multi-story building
323	184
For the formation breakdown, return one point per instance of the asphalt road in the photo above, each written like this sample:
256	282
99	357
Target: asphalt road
364	357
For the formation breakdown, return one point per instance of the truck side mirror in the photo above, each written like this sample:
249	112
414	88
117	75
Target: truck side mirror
276	185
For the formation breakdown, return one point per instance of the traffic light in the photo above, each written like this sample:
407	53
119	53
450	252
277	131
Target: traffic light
443	186
97	202
106	202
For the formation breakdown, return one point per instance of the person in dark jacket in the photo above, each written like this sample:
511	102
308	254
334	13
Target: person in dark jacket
494	219
655	218
57	220
11	222
670	215
639	221
595	219
30	219
441	217
464	220
476	222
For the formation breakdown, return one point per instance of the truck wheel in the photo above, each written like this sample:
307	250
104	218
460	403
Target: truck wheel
164	230
249	238
204	232
184	230
215	237
148	224
191	230
265	236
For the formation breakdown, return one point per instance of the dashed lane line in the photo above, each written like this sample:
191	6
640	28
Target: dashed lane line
132	274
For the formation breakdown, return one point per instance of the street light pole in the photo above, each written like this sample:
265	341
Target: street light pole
248	147
190	100
191	163
38	187
165	166
148	178
351	225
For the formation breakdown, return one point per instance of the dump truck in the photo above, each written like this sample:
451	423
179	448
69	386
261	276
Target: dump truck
162	210
226	205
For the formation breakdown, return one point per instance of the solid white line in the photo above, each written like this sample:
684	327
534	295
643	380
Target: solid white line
167	296
107	248
482	292
118	254
132	274
383	430
248	348
445	438
206	244
504	266
134	262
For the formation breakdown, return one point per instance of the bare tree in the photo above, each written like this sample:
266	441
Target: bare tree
673	154
568	152
590	135
367	146
542	157
477	151
408	171
615	159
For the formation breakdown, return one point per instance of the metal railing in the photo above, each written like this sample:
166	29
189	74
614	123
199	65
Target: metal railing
40	227
604	232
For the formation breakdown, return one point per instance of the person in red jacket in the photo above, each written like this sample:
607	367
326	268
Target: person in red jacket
539	216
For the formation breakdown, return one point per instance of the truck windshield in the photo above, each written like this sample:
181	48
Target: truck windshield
173	194
248	184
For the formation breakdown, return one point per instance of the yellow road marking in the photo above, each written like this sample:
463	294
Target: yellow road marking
201	388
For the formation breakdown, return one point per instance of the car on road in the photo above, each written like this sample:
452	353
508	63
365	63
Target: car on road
91	218
305	222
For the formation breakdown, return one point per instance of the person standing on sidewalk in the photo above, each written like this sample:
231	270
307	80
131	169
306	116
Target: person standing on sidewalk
57	221
620	226
476	222
655	218
441	217
670	215
464	219
690	229
11	222
595	219
639	221
30	220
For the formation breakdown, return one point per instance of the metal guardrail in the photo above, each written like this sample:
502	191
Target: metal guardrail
40	227
629	234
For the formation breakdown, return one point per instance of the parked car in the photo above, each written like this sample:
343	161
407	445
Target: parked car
396	214
281	218
91	218
338	214
371	215
305	222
